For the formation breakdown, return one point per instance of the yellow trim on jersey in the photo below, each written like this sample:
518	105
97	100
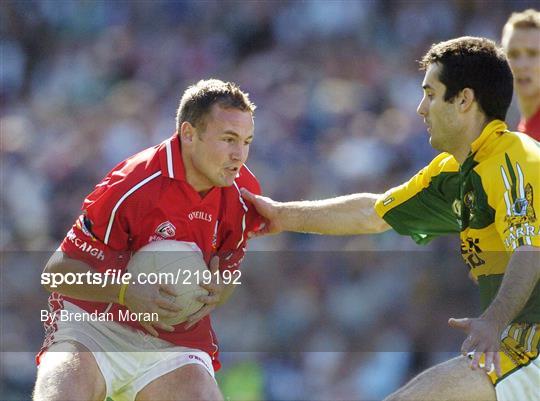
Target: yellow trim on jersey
519	348
494	128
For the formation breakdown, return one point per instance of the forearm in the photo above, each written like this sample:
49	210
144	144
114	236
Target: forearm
344	215
88	287
520	278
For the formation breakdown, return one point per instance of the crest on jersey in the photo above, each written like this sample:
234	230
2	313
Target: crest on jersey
520	210
519	201
468	200
84	224
166	230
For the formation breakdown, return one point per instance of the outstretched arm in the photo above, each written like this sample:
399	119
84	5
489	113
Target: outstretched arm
344	215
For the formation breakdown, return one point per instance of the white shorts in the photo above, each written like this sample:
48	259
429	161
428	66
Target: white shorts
128	358
523	384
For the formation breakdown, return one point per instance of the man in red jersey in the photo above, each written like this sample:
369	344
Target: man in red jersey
187	189
521	42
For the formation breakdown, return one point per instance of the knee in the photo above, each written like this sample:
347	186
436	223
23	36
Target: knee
203	387
207	394
205	390
68	376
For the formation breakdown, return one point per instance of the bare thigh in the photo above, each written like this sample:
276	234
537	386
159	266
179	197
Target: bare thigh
452	380
69	372
189	382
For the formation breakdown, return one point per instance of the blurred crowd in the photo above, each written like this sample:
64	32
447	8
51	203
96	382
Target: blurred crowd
85	84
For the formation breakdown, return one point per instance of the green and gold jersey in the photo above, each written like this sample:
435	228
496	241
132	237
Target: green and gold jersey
492	200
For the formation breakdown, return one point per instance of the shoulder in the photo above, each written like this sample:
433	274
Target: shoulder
442	163
512	166
246	179
138	175
516	144
512	151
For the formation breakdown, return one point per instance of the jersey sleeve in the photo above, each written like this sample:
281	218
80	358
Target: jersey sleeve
516	199
422	208
100	235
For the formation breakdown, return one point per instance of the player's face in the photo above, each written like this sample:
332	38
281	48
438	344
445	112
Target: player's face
522	47
440	116
220	150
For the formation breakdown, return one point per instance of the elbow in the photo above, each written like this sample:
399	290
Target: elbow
52	272
376	225
382	226
48	278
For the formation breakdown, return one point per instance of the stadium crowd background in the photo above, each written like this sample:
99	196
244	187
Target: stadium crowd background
85	84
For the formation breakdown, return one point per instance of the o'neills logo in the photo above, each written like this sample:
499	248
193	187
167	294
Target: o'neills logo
197	358
166	230
198	215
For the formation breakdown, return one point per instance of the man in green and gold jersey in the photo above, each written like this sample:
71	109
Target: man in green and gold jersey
485	185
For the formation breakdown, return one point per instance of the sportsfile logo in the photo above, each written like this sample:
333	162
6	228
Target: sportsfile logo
85	246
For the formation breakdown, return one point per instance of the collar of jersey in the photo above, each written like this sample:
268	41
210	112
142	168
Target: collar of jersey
489	133
171	163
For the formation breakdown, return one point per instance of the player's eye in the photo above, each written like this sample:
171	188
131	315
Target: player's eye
228	139
533	53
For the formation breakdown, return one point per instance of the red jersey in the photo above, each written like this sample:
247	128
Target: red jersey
531	126
147	198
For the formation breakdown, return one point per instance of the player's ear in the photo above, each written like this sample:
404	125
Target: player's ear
466	99
187	131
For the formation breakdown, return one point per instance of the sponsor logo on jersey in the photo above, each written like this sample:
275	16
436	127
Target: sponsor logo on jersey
387	201
470	251
166	230
200	215
522	231
85	246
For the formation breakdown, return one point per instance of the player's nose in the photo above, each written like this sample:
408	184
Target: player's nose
519	63
238	153
422	109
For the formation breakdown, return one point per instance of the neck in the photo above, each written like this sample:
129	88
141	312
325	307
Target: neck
469	135
193	178
528	106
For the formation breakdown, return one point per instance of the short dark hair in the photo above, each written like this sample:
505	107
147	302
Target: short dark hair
199	98
478	64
